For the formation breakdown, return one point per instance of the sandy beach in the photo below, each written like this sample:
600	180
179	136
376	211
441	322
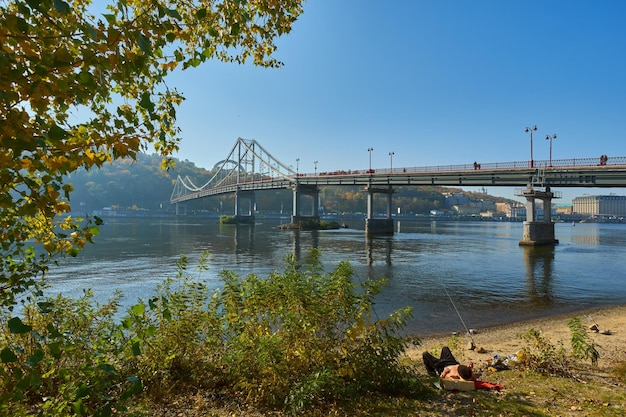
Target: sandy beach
504	340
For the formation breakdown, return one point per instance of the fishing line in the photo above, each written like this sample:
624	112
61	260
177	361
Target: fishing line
457	313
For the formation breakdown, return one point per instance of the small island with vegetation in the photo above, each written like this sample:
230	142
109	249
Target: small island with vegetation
312	225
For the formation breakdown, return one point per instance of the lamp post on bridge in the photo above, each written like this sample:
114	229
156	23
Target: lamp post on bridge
391	154
530	130
370	151
297	166
548	137
315	162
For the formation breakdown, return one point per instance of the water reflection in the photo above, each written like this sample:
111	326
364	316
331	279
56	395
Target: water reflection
539	263
244	238
375	246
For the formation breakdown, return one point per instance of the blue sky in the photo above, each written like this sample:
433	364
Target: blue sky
437	82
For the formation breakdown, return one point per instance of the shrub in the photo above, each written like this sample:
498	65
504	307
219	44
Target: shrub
543	357
582	346
303	333
298	339
59	359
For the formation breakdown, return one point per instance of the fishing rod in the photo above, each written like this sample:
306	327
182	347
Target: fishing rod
458	314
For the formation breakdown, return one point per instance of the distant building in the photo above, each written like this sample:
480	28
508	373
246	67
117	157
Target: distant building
562	209
456	199
511	210
600	205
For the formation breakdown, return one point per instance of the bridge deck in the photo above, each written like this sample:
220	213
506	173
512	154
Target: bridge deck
586	172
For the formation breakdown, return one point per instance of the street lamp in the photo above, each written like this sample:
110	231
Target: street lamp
370	151
548	137
297	165
315	162
530	130
391	154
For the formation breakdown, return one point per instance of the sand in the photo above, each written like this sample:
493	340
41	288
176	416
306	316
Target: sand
504	340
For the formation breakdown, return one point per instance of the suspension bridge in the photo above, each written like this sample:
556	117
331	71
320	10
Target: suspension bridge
249	167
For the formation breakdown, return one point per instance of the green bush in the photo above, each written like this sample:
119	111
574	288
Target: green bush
61	358
543	357
582	346
297	339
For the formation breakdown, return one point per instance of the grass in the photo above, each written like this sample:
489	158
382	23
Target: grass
525	394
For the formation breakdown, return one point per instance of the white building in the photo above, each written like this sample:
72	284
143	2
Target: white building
600	205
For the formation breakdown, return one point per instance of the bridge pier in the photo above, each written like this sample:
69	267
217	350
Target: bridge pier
538	233
375	226
241	216
300	190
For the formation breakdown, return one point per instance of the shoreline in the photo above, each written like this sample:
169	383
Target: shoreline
504	339
532	321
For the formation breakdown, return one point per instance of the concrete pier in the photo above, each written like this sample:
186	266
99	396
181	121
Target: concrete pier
243	215
378	226
310	191
538	232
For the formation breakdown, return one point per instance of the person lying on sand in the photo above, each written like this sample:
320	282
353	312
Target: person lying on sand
447	367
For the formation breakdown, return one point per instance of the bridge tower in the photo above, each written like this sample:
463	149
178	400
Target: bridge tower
538	232
379	226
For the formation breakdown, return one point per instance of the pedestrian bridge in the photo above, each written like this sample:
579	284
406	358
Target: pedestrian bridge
249	167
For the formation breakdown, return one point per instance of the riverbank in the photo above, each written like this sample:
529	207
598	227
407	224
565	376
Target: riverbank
596	390
504	340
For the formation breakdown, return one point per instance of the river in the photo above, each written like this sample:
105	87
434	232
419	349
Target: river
436	267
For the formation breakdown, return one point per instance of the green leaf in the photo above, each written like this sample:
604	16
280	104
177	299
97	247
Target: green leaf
201	13
146	103
57	133
35	358
61	6
17	327
135	388
151	331
53	332
144	44
85	78
136	348
108	368
138	309
174	13
55	350
7	355
45	306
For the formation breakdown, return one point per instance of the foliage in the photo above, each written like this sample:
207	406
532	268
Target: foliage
300	339
228	219
304	336
583	347
79	90
543	357
59	359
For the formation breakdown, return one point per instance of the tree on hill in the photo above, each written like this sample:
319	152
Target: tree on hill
78	90
129	183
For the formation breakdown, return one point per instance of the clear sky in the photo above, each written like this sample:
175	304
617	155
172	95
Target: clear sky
437	82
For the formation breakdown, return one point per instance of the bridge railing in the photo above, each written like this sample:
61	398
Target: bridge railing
545	164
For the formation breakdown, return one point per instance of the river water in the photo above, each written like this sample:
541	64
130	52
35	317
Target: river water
432	266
